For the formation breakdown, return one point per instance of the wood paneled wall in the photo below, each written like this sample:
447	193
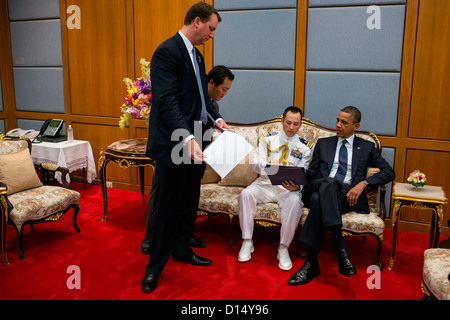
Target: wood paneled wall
6	70
423	134
430	116
97	58
115	34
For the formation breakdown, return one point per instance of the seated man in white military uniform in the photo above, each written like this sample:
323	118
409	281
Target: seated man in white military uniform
282	148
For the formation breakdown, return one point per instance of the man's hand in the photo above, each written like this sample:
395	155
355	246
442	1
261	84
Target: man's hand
195	152
289	185
222	124
354	193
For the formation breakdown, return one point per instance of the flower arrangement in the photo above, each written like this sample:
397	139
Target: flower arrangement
139	97
417	178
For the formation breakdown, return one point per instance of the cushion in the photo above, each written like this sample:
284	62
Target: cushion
362	223
210	176
17	171
250	133
218	199
137	145
242	175
356	223
436	270
38	203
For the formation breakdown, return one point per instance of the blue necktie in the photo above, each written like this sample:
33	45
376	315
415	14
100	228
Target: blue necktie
203	115
342	169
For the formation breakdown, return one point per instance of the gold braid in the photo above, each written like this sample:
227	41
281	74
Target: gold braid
284	154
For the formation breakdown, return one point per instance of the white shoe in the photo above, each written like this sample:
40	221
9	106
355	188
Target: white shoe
246	251
285	262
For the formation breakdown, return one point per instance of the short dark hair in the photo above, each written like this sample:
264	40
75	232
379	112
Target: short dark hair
354	112
218	74
203	11
293	109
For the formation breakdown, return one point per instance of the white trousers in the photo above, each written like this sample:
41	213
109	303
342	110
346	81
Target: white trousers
290	203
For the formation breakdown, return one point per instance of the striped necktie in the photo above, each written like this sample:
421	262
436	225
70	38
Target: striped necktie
342	169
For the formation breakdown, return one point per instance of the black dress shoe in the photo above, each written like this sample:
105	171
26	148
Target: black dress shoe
149	283
193	259
195	243
345	265
305	274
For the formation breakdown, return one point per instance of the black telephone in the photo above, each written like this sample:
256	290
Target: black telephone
52	127
51	131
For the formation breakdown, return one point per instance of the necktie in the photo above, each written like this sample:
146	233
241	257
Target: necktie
342	169
203	115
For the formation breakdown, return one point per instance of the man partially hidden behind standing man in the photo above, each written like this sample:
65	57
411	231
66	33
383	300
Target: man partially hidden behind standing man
337	180
180	103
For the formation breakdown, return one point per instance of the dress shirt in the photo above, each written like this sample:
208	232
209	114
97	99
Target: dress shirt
189	47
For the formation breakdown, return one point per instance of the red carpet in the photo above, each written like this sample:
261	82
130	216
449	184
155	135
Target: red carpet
111	265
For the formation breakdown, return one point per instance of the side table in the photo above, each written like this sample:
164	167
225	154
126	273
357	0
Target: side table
427	197
71	155
126	154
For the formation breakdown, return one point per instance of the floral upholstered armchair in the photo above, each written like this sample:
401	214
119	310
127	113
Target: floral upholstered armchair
436	274
23	198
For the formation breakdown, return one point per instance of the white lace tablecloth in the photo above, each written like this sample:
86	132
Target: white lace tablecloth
72	155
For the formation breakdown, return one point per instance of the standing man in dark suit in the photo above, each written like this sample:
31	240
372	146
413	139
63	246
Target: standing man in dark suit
219	81
178	117
337	180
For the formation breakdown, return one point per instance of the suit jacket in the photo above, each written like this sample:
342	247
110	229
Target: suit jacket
176	102
364	155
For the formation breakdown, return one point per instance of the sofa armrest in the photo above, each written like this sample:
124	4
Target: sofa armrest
5	205
382	201
3	188
381	189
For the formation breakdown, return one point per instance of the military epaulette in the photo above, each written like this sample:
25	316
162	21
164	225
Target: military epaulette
269	134
305	142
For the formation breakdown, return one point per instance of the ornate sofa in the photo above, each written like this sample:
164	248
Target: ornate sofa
220	196
23	198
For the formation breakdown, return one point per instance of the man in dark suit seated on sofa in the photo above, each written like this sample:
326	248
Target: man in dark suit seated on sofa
337	180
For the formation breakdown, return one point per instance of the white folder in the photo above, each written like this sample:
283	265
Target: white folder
225	152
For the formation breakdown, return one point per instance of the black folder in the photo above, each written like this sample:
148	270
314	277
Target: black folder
278	174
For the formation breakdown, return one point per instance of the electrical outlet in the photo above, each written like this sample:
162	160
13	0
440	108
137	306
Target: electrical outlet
109	184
